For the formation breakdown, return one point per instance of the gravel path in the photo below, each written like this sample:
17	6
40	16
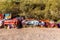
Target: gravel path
30	34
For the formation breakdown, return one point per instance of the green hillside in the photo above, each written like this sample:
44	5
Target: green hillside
40	9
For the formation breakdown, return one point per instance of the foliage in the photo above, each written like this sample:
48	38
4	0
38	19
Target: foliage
41	9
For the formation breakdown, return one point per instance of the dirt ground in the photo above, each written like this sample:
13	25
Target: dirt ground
30	34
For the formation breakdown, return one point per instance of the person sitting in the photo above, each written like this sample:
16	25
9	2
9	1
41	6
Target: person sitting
51	24
58	25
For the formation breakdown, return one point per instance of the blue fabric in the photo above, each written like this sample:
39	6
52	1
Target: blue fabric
6	15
